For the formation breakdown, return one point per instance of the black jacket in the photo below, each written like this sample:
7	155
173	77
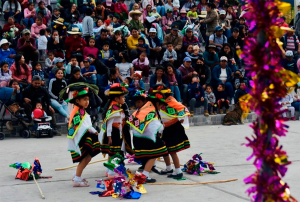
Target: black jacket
100	67
58	47
55	86
37	95
115	45
71	17
73	80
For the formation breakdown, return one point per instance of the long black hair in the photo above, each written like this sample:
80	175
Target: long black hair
16	4
2	64
18	66
211	5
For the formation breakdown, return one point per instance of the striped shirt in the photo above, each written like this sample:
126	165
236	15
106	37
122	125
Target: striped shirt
290	43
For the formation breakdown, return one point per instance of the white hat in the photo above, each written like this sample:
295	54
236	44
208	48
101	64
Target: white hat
223	58
152	30
222	12
4	41
154	8
287	53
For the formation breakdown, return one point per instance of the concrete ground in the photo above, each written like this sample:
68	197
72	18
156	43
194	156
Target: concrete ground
219	144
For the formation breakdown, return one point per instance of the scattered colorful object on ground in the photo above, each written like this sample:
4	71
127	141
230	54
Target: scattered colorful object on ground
26	170
262	54
197	166
131	158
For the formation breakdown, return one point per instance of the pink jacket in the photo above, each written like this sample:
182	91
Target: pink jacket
35	30
119	8
23	74
27	13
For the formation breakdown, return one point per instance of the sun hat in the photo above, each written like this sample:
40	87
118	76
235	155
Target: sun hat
82	92
74	30
59	21
136	12
4	41
182	10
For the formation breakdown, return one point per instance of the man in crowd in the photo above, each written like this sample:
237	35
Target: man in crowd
27	47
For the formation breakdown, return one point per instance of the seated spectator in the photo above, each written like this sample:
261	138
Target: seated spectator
55	15
222	74
238	78
37	70
296	97
291	43
21	71
27	47
118	45
64	5
109	6
97	28
231	16
187	72
55	86
135	84
290	63
137	81
167	21
142	64
197	96
136	7
124	68
228	52
155	14
106	55
285	103
135	21
155	47
12	29
237	44
36	27
56	45
221	99
242	32
170	55
7	54
175	39
196	55
175	80
83	5
121	10
17	96
241	91
192	14
44	11
169	6
73	63
33	94
100	11
183	16
218	38
102	39
159	77
49	62
59	64
41	15
142	46
115	23
189	51
211	57
211	100
60	28
76	76
89	71
91	49
224	23
29	15
72	14
101	68
187	5
204	72
241	22
132	43
5	74
74	43
12	8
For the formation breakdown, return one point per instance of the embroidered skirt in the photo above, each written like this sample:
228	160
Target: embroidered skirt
115	147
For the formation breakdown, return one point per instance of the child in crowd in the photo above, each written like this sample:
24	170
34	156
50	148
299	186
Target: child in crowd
37	70
5	74
170	72
221	98
59	64
182	16
48	33
41	14
98	28
49	62
290	63
142	46
90	49
106	55
111	130
192	14
170	55
76	76
196	55
286	104
82	143
124	68
73	63
115	23
42	44
197	96
38	107
55	14
211	100
142	64
155	13
89	71
241	91
7	54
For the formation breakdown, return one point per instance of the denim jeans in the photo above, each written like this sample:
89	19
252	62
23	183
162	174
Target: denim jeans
229	89
175	90
197	103
185	92
61	108
92	79
296	105
18	17
161	10
28	22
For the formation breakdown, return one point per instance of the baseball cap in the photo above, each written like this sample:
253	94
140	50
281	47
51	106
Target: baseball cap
187	59
235	29
218	28
222	12
175	27
223	58
152	30
169	10
289	53
87	59
58	60
211	46
26	31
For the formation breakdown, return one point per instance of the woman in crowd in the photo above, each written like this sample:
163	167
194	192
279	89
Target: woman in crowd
228	52
12	24
159	77
72	14
167	21
41	8
29	15
56	45
118	45
36	27
74	44
12	8
175	80
21	71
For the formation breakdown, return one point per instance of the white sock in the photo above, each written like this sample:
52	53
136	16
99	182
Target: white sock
169	167
146	173
77	179
178	170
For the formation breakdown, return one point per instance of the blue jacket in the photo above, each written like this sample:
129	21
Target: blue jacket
4	56
100	55
147	49
290	65
165	80
195	92
156	41
102	82
216	74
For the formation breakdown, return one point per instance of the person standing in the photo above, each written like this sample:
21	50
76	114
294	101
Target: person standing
297	22
87	25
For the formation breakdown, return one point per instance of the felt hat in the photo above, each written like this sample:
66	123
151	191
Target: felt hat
115	90
74	30
59	21
4	41
82	92
136	12
139	95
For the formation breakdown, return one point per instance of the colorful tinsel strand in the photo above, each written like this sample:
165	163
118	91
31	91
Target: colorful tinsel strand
262	54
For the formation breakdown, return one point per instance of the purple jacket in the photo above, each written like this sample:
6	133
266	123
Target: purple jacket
186	79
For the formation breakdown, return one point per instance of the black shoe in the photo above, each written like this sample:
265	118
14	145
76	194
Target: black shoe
150	180
155	170
164	172
177	176
140	169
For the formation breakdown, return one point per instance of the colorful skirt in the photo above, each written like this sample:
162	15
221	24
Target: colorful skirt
127	139
88	144
115	147
146	149
175	138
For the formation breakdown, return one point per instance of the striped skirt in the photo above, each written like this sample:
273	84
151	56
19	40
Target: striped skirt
88	144
115	147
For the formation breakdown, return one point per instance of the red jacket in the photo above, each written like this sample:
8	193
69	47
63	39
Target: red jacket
72	44
119	8
6	27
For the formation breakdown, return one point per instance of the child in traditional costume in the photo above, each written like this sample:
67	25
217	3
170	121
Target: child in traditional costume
175	118
110	138
147	126
82	137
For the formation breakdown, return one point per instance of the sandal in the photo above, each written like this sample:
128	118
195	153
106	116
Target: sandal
80	184
83	180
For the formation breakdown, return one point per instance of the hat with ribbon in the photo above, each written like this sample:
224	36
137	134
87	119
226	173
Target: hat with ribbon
84	91
115	90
